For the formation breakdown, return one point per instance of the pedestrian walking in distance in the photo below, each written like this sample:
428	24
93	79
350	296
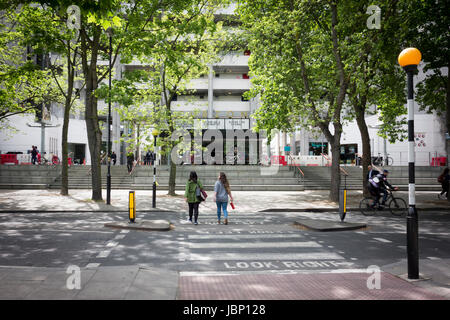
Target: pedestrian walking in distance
114	158
193	186
130	160
444	180
221	192
34	154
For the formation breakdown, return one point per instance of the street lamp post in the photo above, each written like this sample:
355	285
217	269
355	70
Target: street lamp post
155	134
408	60
108	155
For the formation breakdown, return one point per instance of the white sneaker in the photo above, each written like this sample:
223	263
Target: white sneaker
189	220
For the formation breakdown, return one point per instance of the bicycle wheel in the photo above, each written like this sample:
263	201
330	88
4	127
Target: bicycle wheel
398	207
366	207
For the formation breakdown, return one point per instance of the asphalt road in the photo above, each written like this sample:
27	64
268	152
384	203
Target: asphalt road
252	242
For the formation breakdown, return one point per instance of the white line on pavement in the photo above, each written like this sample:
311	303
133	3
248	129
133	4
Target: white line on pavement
104	254
305	244
382	240
243	236
112	244
265	256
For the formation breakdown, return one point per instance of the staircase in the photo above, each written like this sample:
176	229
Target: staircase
241	177
319	178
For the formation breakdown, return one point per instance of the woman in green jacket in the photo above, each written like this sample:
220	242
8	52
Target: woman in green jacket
191	196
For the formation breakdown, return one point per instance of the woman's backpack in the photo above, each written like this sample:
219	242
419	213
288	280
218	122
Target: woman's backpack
200	194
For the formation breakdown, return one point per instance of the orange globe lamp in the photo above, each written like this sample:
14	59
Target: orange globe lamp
409	56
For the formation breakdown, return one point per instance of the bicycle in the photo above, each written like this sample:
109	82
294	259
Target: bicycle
397	206
379	160
232	159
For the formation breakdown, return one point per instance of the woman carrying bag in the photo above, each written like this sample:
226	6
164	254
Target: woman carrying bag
191	193
221	192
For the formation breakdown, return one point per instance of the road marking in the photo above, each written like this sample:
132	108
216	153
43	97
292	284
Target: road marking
112	244
265	256
434	258
243	236
92	265
104	254
305	244
124	231
382	240
119	236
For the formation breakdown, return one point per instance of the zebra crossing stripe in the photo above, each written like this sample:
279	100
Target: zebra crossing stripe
232	216
264	256
305	244
241	236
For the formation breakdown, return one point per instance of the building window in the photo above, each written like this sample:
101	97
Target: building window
316	148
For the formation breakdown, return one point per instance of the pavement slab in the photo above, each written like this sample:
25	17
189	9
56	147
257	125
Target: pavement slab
321	286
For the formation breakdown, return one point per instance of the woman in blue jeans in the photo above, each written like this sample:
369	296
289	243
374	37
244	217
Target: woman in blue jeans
221	192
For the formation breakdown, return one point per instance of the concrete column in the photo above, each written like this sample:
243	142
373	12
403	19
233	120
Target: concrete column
211	92
276	140
283	143
293	144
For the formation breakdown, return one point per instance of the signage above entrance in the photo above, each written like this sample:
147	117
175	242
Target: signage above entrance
218	124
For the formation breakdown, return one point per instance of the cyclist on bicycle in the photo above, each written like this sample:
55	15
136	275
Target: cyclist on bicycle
379	184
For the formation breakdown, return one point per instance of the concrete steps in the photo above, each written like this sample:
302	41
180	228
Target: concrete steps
241	177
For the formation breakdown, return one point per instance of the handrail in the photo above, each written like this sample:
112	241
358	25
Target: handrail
298	167
326	158
345	172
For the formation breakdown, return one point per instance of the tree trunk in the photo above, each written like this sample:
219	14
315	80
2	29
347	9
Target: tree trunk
65	164
65	130
366	153
335	168
447	118
94	139
172	177
91	113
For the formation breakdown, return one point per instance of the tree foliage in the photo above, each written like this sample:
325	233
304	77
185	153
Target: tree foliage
24	85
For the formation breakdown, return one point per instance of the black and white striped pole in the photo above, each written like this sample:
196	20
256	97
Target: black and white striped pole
409	59
155	133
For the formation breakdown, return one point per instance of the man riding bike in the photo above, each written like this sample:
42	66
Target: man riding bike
378	184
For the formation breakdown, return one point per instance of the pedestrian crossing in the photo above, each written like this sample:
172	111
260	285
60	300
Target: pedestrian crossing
249	250
233	218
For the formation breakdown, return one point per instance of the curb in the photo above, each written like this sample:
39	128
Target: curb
328	226
337	209
81	211
144	225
